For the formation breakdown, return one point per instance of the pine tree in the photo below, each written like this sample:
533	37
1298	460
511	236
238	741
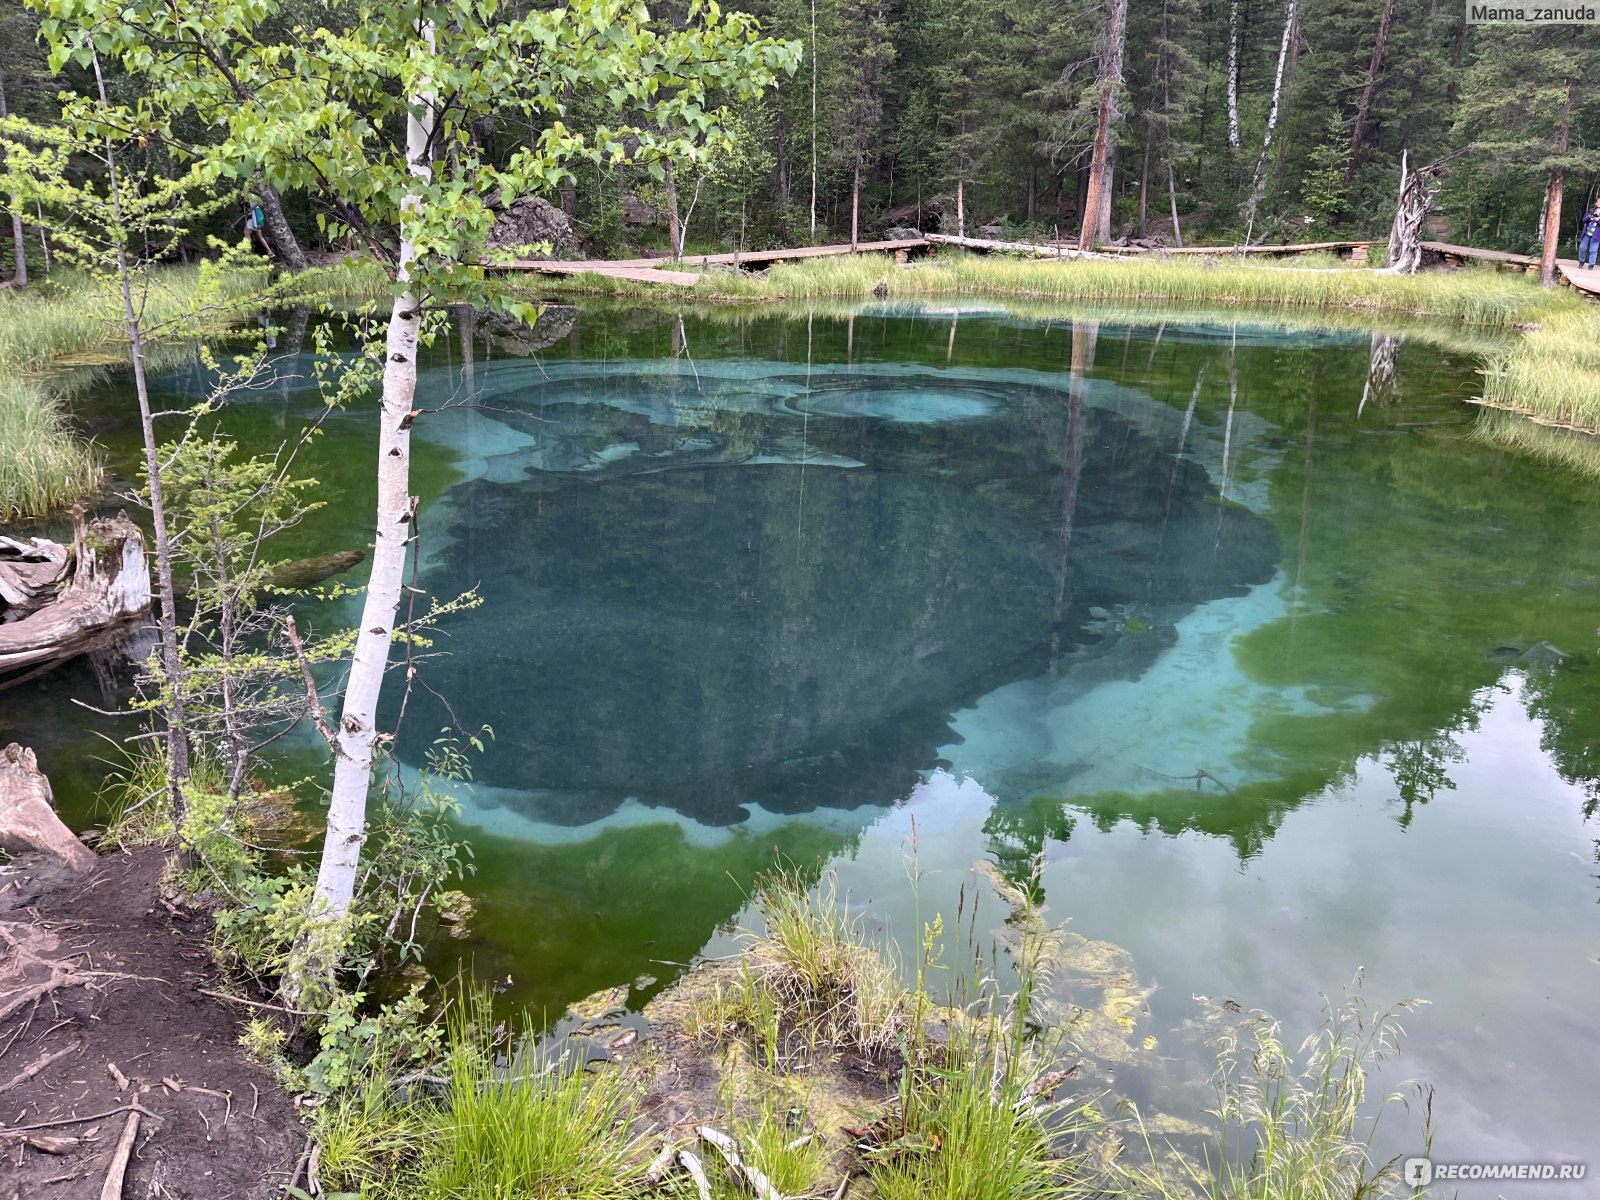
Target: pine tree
1527	91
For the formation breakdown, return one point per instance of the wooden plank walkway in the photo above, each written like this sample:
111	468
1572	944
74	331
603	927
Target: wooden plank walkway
600	266
1580	278
1292	248
1500	257
685	272
667	270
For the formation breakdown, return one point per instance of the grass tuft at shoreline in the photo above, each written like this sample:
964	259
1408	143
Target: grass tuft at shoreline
70	319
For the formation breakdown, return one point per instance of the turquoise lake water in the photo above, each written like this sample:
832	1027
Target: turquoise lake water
1280	672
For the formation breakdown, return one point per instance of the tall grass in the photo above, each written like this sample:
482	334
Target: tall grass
814	968
971	1111
1475	297
43	463
72	319
495	1123
1552	373
1294	1124
507	1133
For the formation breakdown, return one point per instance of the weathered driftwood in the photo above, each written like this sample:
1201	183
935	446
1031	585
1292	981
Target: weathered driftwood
30	573
751	1175
1418	190
28	818
1037	249
109	587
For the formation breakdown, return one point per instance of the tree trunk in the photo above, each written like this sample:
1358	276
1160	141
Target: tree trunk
278	231
961	206
28	820
1107	192
355	735
674	228
1552	228
1552	205
19	275
1364	104
171	663
1144	190
44	236
1097	203
1033	191
785	233
1258	183
813	120
1172	194
1233	74
855	204
1288	111
108	587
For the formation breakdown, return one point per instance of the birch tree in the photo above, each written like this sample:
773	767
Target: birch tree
1258	180
1233	75
362	117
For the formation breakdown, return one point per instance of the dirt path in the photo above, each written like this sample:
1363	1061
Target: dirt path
99	971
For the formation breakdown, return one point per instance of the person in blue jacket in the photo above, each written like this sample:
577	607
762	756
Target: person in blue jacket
1589	236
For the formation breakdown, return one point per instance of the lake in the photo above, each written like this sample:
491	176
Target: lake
1277	671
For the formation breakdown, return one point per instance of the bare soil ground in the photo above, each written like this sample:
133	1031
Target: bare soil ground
103	1018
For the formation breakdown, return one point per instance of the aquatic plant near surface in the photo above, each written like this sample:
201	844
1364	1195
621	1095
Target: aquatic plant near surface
1293	1124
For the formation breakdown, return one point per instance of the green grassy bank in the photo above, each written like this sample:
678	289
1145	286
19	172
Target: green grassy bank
1474	297
1541	348
70	320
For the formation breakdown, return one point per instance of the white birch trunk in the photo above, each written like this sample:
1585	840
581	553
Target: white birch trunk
813	120
1233	73
1258	183
356	731
19	274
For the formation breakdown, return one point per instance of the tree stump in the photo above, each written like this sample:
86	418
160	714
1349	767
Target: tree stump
109	588
28	820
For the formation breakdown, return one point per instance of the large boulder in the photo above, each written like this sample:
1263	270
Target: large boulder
534	221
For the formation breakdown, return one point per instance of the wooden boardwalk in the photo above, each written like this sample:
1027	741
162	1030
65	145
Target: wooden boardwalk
1580	278
686	271
674	271
1292	248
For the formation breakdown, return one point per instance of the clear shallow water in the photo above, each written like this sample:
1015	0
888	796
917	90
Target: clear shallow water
1278	683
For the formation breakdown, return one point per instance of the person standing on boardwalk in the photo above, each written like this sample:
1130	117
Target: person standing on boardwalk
1589	236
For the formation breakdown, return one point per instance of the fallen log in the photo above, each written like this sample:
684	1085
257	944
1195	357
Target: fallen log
109	587
1037	249
30	573
308	572
28	818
